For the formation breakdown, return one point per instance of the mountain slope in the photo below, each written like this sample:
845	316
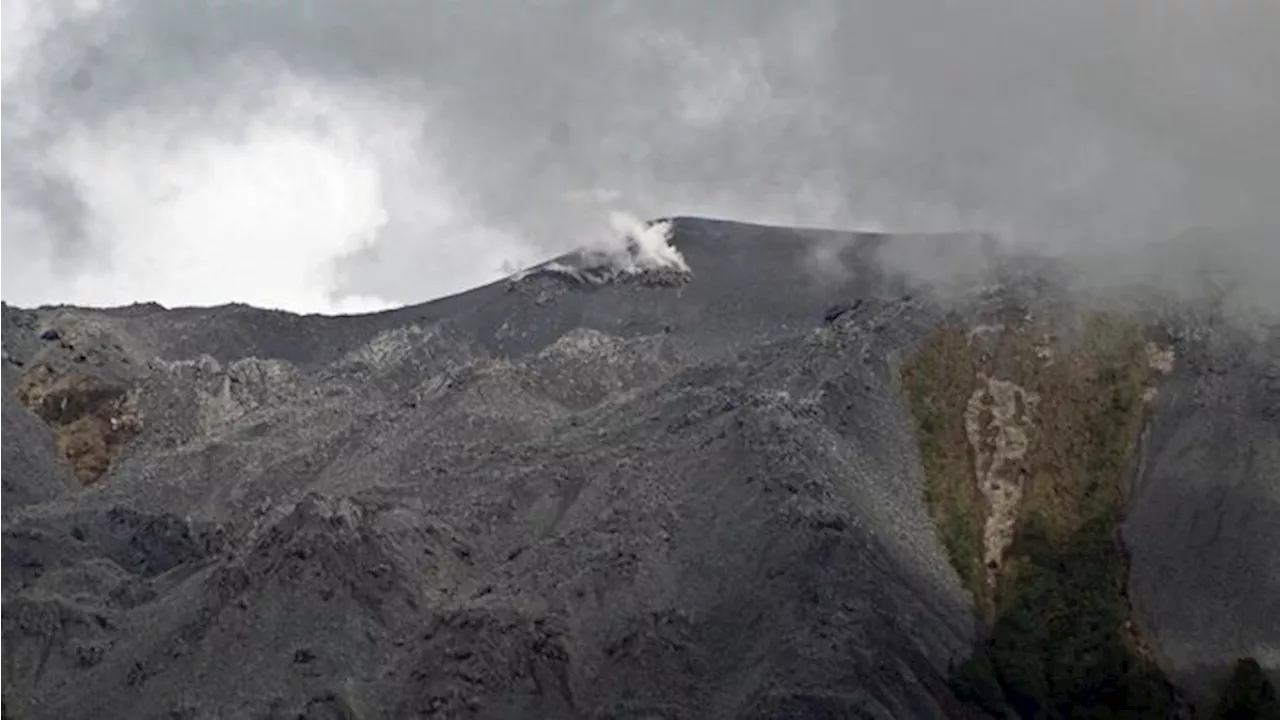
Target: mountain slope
570	494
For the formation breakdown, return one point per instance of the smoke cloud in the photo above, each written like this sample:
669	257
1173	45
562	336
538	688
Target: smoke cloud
331	156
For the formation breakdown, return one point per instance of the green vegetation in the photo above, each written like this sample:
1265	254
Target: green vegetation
1247	695
939	381
1059	642
1058	649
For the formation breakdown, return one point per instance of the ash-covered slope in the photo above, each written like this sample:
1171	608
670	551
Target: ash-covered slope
570	494
552	497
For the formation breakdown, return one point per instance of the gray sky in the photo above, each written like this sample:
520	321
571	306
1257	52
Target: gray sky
333	155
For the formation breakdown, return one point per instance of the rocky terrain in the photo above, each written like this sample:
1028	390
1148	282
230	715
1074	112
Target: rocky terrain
794	481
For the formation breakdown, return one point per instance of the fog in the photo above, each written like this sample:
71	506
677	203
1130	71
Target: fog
337	156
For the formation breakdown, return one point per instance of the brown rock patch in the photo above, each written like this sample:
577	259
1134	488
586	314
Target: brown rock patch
91	417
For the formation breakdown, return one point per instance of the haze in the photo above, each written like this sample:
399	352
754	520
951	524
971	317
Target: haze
333	156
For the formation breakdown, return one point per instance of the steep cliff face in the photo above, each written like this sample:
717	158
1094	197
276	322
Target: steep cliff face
1205	501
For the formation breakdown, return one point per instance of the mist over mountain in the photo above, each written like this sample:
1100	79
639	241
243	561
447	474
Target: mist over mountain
338	158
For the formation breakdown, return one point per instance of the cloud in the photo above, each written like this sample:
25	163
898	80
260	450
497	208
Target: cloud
330	155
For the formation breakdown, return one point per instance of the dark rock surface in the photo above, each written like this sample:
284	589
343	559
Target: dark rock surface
570	494
1205	504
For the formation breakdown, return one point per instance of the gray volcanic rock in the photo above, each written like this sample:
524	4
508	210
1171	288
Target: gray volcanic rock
567	494
574	493
1204	517
28	449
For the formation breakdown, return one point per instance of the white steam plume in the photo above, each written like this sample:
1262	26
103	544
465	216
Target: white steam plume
645	246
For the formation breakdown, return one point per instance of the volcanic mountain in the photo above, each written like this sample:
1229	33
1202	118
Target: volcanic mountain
807	474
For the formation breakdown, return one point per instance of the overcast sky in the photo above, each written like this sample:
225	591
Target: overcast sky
332	155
